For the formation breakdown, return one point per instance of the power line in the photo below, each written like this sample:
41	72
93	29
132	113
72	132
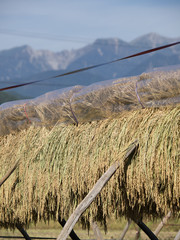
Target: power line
45	36
54	37
62	84
91	67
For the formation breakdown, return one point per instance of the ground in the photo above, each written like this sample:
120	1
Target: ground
52	230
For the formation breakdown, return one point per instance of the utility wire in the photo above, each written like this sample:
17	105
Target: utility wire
45	36
93	66
54	37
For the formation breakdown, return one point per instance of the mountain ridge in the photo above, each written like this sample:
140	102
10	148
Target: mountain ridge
23	63
152	40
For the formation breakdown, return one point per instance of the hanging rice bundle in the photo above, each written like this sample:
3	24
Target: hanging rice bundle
59	166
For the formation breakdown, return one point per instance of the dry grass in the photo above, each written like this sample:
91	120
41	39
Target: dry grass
115	229
58	167
83	234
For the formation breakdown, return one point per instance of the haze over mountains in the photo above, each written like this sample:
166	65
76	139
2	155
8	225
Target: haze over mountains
23	64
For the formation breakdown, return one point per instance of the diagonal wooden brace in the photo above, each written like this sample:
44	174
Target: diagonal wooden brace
72	233
8	174
24	233
94	192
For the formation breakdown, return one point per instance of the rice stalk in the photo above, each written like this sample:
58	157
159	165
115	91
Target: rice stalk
59	166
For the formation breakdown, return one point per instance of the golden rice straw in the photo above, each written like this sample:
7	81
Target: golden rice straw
52	178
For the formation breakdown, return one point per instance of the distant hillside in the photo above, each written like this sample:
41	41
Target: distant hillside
83	78
7	97
151	40
25	61
24	64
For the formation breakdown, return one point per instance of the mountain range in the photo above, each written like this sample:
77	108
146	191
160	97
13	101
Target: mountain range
23	63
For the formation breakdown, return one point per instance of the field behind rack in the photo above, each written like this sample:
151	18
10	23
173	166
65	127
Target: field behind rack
115	228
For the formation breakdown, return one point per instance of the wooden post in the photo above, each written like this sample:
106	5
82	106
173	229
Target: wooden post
148	232
72	233
94	192
8	174
125	229
162	223
96	231
177	236
137	235
24	233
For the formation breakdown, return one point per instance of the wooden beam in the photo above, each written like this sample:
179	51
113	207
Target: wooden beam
24	233
94	192
138	233
96	231
125	229
148	232
72	233
177	236
8	174
162	223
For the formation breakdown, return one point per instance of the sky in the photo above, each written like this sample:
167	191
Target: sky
58	25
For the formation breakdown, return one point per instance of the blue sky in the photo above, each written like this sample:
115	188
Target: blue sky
70	24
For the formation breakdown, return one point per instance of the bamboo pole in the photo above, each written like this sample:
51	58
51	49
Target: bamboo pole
94	192
145	229
96	231
137	235
125	229
162	223
177	236
8	174
72	233
24	233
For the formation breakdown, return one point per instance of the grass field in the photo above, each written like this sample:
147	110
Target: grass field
53	229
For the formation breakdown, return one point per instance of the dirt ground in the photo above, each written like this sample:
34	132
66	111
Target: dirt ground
114	232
